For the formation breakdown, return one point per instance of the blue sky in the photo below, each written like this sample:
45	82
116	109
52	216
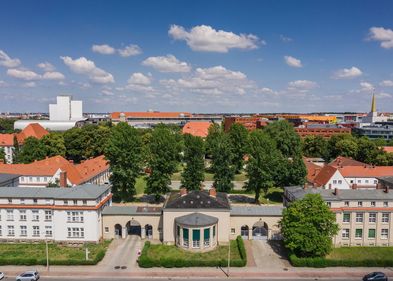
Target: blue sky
198	56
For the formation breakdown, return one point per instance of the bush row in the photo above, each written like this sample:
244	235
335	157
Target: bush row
33	261
146	262
323	262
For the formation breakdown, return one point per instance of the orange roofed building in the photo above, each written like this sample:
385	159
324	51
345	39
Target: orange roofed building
57	169
34	130
197	129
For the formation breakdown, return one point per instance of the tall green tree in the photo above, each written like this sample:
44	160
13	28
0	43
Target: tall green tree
368	151
194	156
32	149
124	154
73	139
212	138
54	144
16	150
222	159
163	157
238	136
315	146
289	144
263	163
347	147
309	235
7	125
2	154
94	139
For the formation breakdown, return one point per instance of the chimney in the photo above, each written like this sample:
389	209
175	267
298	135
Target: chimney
335	191
71	161
354	186
183	191
386	190
212	192
330	186
379	185
63	179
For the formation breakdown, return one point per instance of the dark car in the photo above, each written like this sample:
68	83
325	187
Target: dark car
375	276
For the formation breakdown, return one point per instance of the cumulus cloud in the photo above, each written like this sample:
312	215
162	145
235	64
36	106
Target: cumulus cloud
103	49
139	79
383	35
347	73
302	85
53	75
168	63
207	39
294	62
8	62
27	75
366	87
30	84
88	67
130	50
46	66
386	83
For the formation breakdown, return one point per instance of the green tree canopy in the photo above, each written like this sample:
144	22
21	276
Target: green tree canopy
74	143
2	154
162	160
214	133
94	139
124	154
32	149
308	227
315	146
194	156
54	144
238	136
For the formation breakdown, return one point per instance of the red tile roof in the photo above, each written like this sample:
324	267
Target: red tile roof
342	161
6	139
198	129
388	149
154	114
324	175
312	169
366	171
32	130
76	174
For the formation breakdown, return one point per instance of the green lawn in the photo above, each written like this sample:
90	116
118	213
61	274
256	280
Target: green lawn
361	253
33	254
209	176
140	185
273	196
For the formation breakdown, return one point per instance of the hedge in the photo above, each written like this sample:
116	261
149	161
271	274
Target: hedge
147	262
323	262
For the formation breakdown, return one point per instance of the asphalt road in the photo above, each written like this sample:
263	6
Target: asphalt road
180	279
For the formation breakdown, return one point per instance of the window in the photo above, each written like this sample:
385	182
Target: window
76	232
106	229
23	230
48	231
375	182
48	215
9	201
359	217
36	215
35	201
36	231
358	233
1	231
340	181
75	202
372	217
22	215
346	217
359	181
346	203
345	233
30	178
11	230
75	216
84	202
372	203
10	215
329	204
47	201
366	181
65	202
233	231
22	201
334	181
371	233
360	203
385	204
385	217
384	233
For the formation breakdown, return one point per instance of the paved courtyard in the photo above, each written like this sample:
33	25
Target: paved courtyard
269	255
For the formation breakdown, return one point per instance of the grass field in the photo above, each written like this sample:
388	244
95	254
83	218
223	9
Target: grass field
361	253
140	185
273	196
209	177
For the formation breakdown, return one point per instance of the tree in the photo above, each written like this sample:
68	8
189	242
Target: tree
346	147
73	140
309	235
94	139
238	136
264	159
214	132
7	125
2	154
368	151
194	156
32	149
124	154
162	160
16	150
54	144
315	146
222	159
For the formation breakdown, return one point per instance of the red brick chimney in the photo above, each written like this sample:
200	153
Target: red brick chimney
212	192
183	191
63	179
336	191
354	186
386	190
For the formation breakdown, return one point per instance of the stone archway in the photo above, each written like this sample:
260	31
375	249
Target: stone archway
134	228
244	230
260	230
118	231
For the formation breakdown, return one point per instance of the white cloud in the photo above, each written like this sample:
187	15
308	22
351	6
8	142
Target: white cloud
139	79
294	62
207	39
88	67
107	92
169	63
386	83
27	75
6	61
383	35
2	83
131	50
46	66
30	84
285	39
366	87
383	95
103	49
53	75
347	73
302	85
219	72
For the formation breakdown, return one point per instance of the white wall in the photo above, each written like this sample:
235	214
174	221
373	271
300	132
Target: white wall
337	181
76	110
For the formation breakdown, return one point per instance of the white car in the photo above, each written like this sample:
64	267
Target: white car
28	276
2	275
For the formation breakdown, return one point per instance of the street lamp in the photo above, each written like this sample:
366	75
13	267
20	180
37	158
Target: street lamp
229	254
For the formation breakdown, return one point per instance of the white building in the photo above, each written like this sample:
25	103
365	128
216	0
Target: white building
373	116
57	214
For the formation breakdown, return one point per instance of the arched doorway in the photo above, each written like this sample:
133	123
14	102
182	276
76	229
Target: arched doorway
133	228
149	231
260	230
118	231
244	232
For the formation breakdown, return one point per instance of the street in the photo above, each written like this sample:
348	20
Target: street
181	279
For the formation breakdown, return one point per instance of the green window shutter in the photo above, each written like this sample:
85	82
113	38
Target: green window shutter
185	233
371	233
178	230
196	235
206	233
214	231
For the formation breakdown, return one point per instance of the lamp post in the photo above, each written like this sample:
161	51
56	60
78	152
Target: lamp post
47	254
229	254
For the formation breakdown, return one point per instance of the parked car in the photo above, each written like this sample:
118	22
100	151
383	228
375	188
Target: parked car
28	276
375	276
2	275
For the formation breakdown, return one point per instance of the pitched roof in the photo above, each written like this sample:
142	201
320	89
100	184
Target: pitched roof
6	139
324	175
32	130
312	169
76	174
197	129
197	199
342	161
256	210
388	149
366	171
154	114
196	219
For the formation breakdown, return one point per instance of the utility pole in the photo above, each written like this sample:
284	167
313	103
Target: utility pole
47	255
229	255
